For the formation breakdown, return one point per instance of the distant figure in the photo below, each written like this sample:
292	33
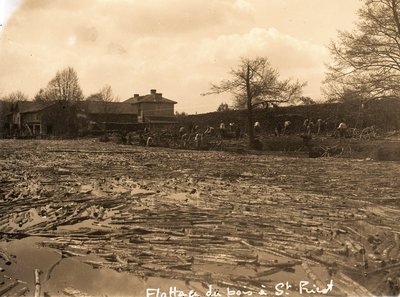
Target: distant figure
195	129
342	128
222	129
278	129
184	139
198	140
209	131
306	141
237	132
309	128
319	126
305	125
257	127
231	127
181	131
142	141
286	125
149	141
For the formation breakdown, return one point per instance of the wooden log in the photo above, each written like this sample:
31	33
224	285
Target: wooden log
351	247
347	280
20	292
272	250
311	275
344	289
74	292
5	257
72	254
37	283
8	287
187	266
384	268
387	250
268	272
288	264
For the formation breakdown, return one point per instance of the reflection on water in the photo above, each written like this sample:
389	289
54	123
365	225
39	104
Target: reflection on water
59	274
28	256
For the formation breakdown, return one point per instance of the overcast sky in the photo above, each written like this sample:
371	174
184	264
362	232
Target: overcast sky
178	47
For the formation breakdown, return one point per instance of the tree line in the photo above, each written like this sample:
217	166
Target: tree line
63	87
64	93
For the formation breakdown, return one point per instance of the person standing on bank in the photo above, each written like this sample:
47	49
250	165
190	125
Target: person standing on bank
257	127
319	126
286	125
342	128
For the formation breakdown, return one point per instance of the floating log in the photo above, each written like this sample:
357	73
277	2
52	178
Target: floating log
8	287
347	280
37	283
5	257
269	271
20	292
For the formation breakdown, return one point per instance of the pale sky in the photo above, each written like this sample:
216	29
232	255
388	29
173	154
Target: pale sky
178	47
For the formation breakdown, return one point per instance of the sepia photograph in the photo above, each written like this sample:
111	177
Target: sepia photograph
199	148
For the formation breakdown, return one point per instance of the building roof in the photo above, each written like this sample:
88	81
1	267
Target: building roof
30	106
152	97
101	107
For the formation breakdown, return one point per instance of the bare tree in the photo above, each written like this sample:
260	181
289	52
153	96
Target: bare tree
94	97
306	100
65	86
107	97
367	60
107	94
41	96
223	107
65	92
15	96
180	114
6	103
254	82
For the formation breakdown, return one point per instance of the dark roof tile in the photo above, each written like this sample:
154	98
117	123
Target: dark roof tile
101	107
31	106
149	98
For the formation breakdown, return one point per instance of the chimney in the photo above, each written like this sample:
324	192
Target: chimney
153	91
135	95
158	96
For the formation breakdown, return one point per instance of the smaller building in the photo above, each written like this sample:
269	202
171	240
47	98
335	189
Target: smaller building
153	108
26	118
102	115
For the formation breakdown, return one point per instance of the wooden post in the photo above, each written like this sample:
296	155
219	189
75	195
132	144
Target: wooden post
37	283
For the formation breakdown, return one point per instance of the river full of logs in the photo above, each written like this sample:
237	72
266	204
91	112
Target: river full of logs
232	220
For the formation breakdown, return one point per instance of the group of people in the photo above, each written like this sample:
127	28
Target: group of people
233	131
309	127
194	132
233	128
282	130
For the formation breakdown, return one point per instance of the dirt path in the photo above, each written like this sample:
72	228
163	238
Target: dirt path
198	218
